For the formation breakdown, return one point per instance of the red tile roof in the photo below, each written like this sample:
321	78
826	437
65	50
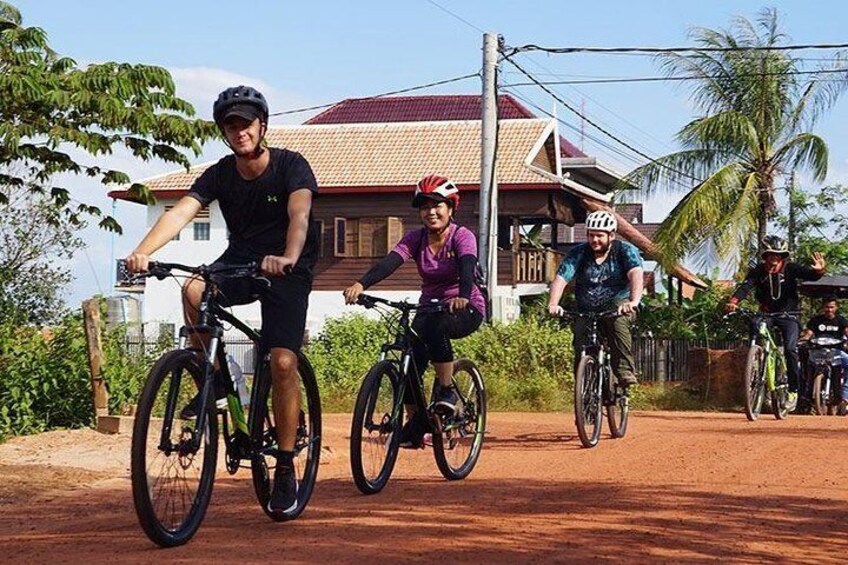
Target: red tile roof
435	108
416	109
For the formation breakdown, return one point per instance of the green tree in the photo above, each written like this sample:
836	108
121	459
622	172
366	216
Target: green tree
759	106
35	238
821	225
50	106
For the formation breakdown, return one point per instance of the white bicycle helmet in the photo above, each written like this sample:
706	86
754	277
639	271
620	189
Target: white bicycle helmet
601	221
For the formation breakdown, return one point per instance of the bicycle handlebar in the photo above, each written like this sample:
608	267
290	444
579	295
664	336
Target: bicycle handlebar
161	269
370	301
752	314
590	315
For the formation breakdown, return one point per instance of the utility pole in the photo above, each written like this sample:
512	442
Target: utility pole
792	228
488	227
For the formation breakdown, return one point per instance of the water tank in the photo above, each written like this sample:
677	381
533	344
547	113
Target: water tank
124	310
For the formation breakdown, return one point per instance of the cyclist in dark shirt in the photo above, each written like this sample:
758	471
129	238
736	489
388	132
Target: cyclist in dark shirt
265	195
775	282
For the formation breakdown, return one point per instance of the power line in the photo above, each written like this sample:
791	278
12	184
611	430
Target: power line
456	16
600	80
597	126
654	50
401	91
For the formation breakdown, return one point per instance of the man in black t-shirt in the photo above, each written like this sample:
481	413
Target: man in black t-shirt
265	195
831	324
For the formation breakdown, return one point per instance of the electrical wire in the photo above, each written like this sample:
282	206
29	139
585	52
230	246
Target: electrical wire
654	50
611	80
381	95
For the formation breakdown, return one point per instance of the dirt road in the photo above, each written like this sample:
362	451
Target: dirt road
681	488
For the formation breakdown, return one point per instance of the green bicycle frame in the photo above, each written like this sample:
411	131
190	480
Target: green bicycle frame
774	360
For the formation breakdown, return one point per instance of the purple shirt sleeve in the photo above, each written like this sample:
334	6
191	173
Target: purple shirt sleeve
465	243
408	244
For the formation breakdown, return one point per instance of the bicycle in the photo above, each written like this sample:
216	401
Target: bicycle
765	366
379	410
174	459
826	386
595	386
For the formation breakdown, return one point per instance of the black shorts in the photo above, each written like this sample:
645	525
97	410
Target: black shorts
283	304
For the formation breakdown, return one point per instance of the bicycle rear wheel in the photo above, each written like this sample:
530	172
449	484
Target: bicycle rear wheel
754	382
307	447
587	401
618	412
458	440
375	429
171	480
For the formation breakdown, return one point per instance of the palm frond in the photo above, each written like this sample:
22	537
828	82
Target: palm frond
805	151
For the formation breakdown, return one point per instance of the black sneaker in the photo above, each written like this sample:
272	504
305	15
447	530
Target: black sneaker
626	378
190	410
412	435
284	493
445	399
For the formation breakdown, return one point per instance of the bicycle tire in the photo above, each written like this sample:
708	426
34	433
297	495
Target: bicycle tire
458	440
618	413
587	401
374	445
171	369
820	404
779	395
307	451
754	382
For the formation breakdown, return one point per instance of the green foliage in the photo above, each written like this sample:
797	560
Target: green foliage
45	382
341	355
757	103
821	225
527	365
49	104
125	370
699	318
33	242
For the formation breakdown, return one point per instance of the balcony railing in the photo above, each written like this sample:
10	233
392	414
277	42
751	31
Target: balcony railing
535	265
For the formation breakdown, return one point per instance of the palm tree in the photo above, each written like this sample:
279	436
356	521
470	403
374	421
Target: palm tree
759	107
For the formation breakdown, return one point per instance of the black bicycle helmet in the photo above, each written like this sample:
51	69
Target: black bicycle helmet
775	244
243	101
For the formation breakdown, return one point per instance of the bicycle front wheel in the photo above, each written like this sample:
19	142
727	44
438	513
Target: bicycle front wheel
618	412
458	439
821	402
375	429
173	463
754	382
780	394
307	447
587	401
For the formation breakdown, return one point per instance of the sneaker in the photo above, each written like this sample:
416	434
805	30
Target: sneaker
843	408
445	399
412	435
626	378
284	493
190	410
791	401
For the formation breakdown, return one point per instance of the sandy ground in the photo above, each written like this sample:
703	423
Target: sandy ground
680	488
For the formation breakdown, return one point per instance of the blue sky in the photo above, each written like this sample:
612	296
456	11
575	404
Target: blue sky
306	53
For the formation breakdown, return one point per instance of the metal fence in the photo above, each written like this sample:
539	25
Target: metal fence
242	350
661	360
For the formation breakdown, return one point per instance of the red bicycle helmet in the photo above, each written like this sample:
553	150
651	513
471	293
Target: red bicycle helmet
434	187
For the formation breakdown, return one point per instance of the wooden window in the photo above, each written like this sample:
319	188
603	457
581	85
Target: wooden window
366	237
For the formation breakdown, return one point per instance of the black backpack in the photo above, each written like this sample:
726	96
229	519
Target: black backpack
479	276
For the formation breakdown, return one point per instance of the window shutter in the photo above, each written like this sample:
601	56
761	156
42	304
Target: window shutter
340	248
366	236
394	231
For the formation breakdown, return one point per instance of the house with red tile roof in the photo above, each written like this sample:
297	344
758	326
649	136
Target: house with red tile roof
367	156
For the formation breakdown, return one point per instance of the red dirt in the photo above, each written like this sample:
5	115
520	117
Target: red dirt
681	487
